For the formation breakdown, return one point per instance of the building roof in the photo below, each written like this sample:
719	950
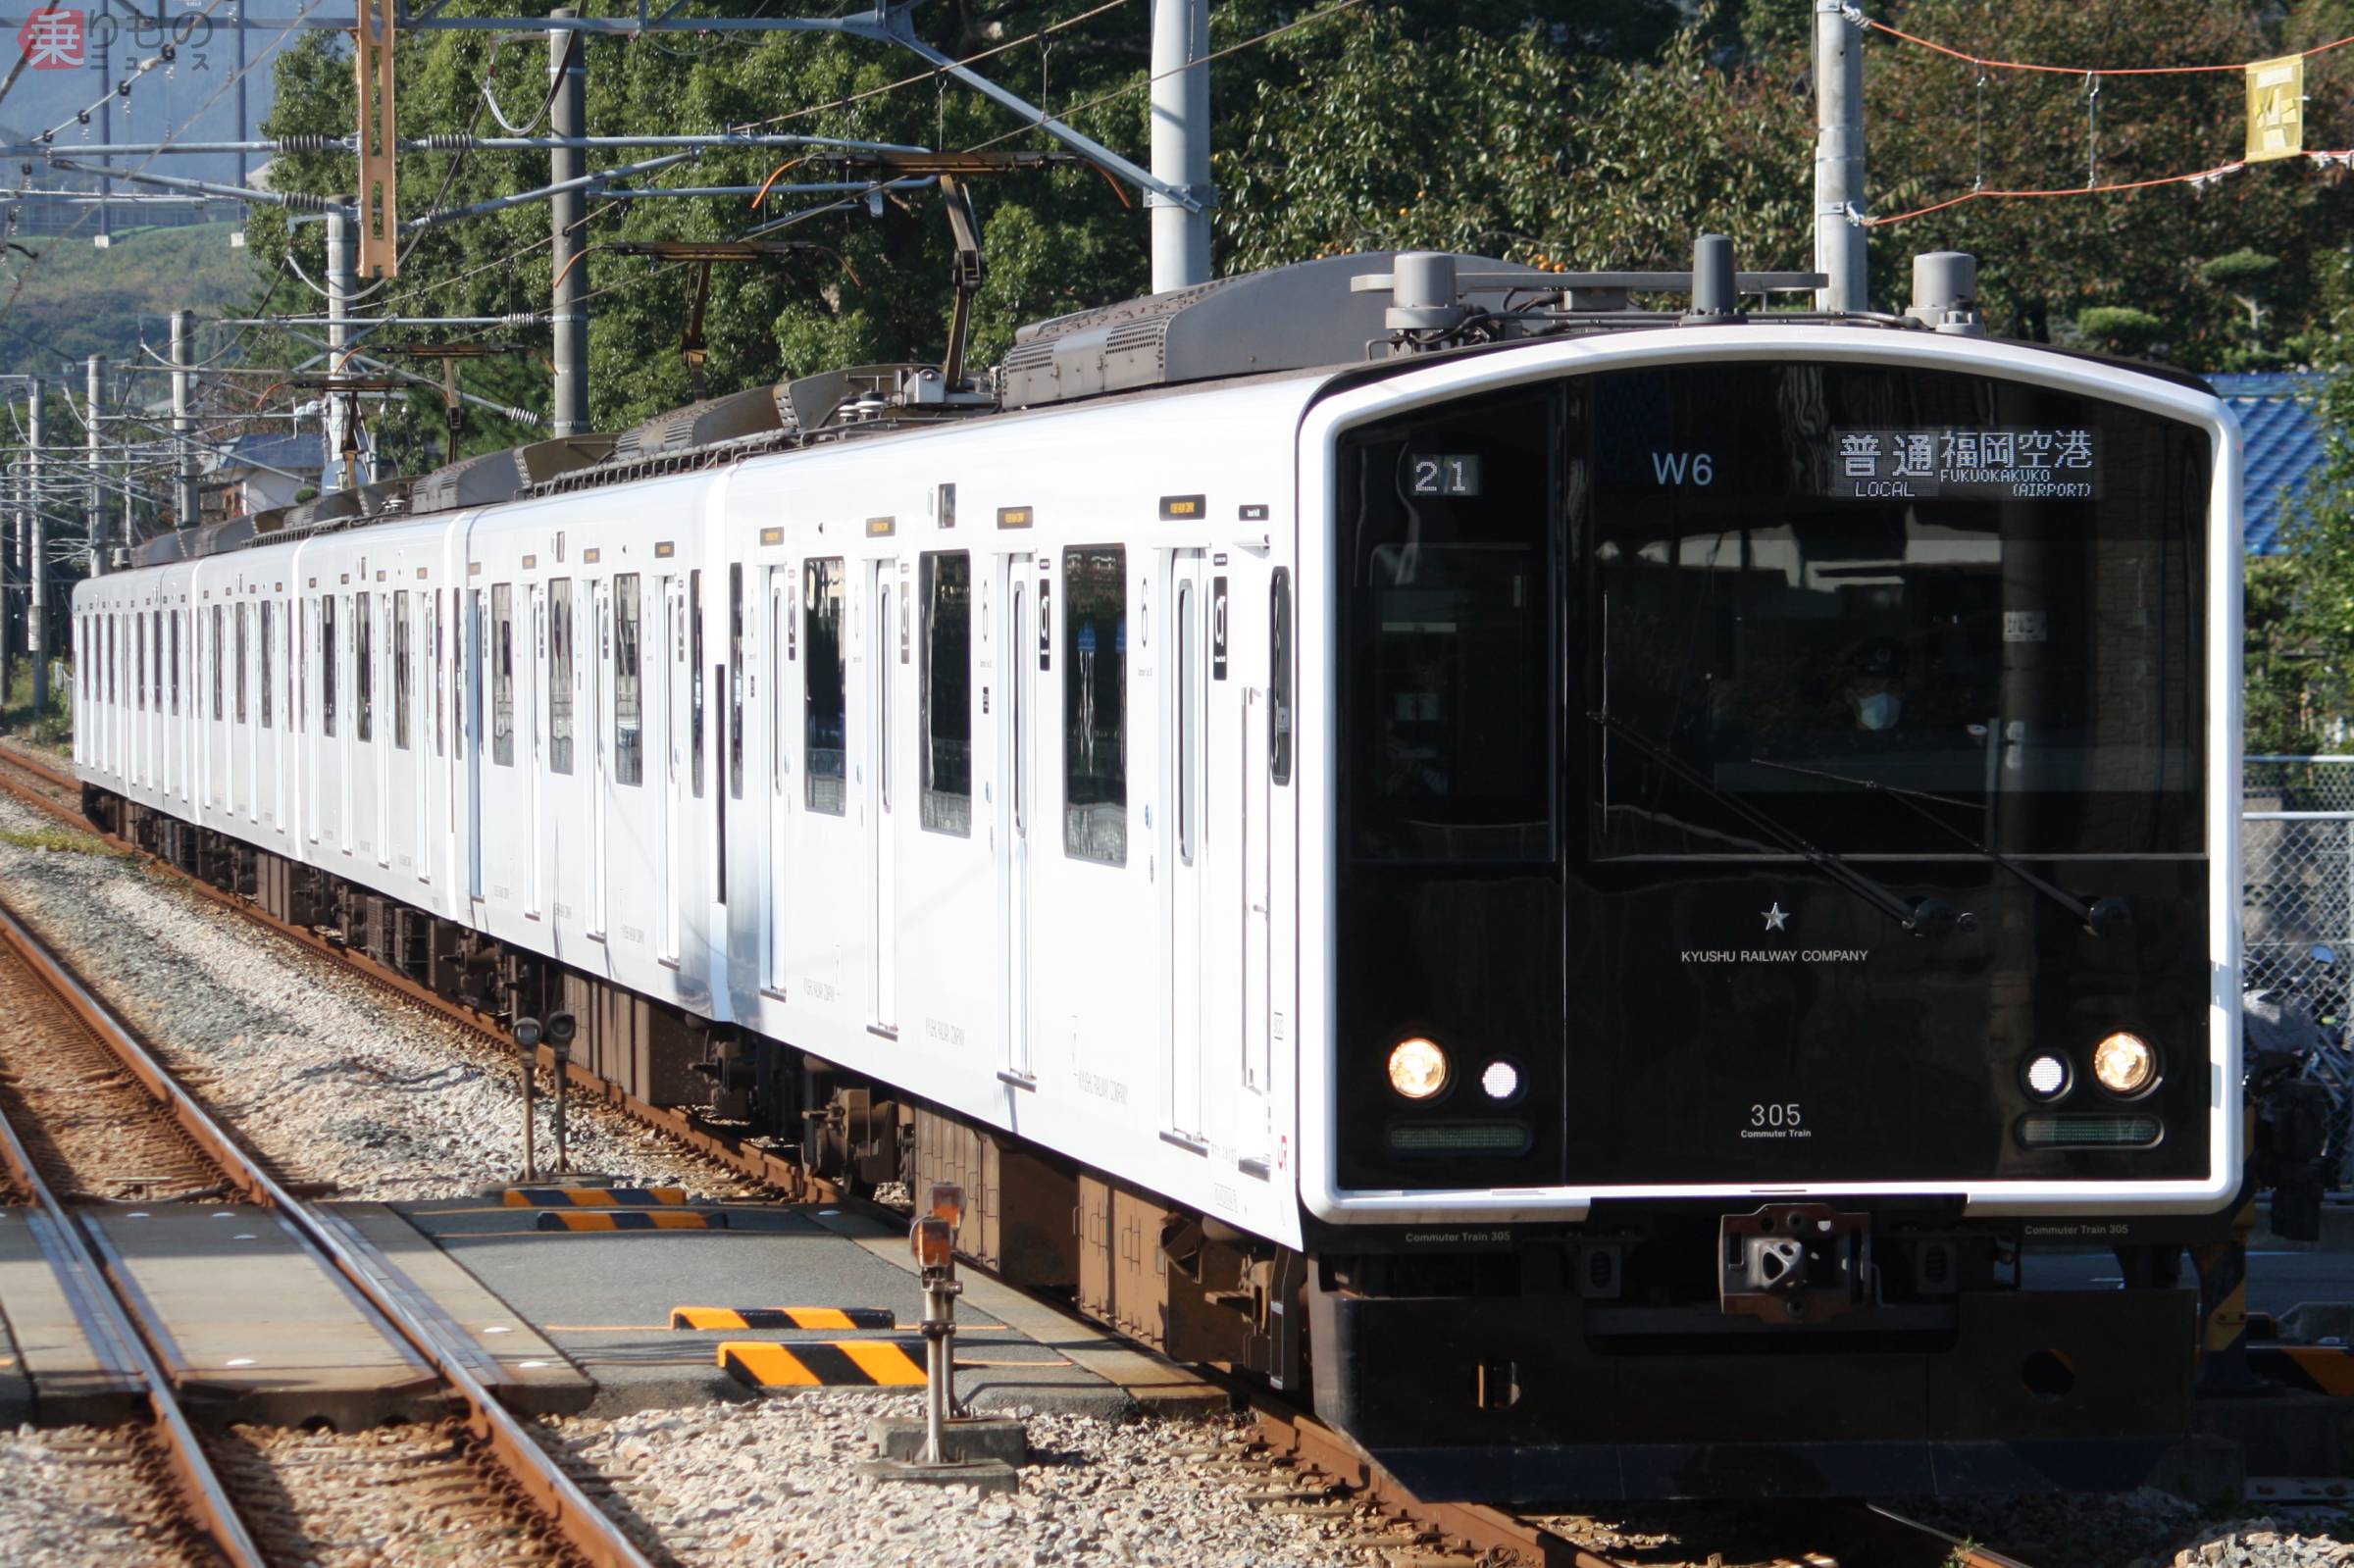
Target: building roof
2282	429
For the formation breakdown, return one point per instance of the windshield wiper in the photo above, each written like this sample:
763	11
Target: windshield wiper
1925	917
2095	915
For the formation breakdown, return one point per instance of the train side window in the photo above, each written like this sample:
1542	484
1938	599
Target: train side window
242	642
402	654
179	619
559	675
947	691
825	733
363	666
138	658
628	713
269	626
220	675
735	679
1094	721
113	664
694	674
1279	677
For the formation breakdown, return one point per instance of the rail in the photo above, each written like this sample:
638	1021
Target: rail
104	1318
543	1482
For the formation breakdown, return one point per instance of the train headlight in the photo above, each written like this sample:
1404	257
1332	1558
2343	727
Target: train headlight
2124	1064
1417	1068
2046	1077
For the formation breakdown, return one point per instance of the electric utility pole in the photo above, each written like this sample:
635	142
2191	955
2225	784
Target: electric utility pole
183	425
343	442
94	506
568	313
1180	142
1839	159
36	617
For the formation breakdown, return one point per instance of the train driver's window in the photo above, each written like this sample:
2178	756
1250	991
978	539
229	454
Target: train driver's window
629	714
559	675
825	733
242	640
502	674
330	687
363	666
220	675
404	651
1095	708
948	689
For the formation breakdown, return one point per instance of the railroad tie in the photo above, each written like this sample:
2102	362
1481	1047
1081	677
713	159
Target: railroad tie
627	1220
704	1317
594	1197
828	1363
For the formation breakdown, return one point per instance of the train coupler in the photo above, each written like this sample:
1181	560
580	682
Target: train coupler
1794	1263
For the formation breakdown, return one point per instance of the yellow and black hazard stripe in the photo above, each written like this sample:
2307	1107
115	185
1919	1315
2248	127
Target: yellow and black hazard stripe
825	1363
2321	1368
594	1197
693	1317
627	1220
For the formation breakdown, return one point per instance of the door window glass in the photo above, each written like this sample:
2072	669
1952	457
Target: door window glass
948	694
269	625
629	715
695	677
559	675
363	666
329	676
502	674
401	655
1094	718
824	730
220	675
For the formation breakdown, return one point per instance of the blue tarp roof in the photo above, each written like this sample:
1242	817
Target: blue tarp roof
302	453
2283	435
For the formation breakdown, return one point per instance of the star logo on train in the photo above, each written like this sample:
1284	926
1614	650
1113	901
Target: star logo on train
1777	918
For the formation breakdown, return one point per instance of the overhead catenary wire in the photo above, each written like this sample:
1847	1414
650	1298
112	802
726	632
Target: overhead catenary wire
1989	63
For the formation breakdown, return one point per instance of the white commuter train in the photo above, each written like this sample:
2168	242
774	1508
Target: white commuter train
1278	790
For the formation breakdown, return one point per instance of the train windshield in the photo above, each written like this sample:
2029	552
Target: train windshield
1897	611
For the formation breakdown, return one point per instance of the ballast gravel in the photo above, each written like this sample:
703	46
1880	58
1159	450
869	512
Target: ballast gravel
74	1496
320	1073
776	1483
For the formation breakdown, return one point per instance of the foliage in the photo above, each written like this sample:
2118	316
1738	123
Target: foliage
2120	330
79	300
53	728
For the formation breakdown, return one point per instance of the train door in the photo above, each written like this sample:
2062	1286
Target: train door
882	664
536	827
673	646
349	659
1026	645
385	677
601	776
1185	827
1253	1126
784	648
477	659
423	677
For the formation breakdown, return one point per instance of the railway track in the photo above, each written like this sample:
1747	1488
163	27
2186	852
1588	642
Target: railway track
85	1106
1310	1465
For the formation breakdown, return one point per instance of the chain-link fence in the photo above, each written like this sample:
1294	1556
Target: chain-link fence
2297	844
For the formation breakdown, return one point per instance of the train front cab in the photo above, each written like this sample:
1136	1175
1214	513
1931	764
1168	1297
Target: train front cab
1779	885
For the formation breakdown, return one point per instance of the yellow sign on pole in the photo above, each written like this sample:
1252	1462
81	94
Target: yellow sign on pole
380	197
2275	107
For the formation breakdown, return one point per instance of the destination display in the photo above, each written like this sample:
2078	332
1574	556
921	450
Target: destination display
2003	465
